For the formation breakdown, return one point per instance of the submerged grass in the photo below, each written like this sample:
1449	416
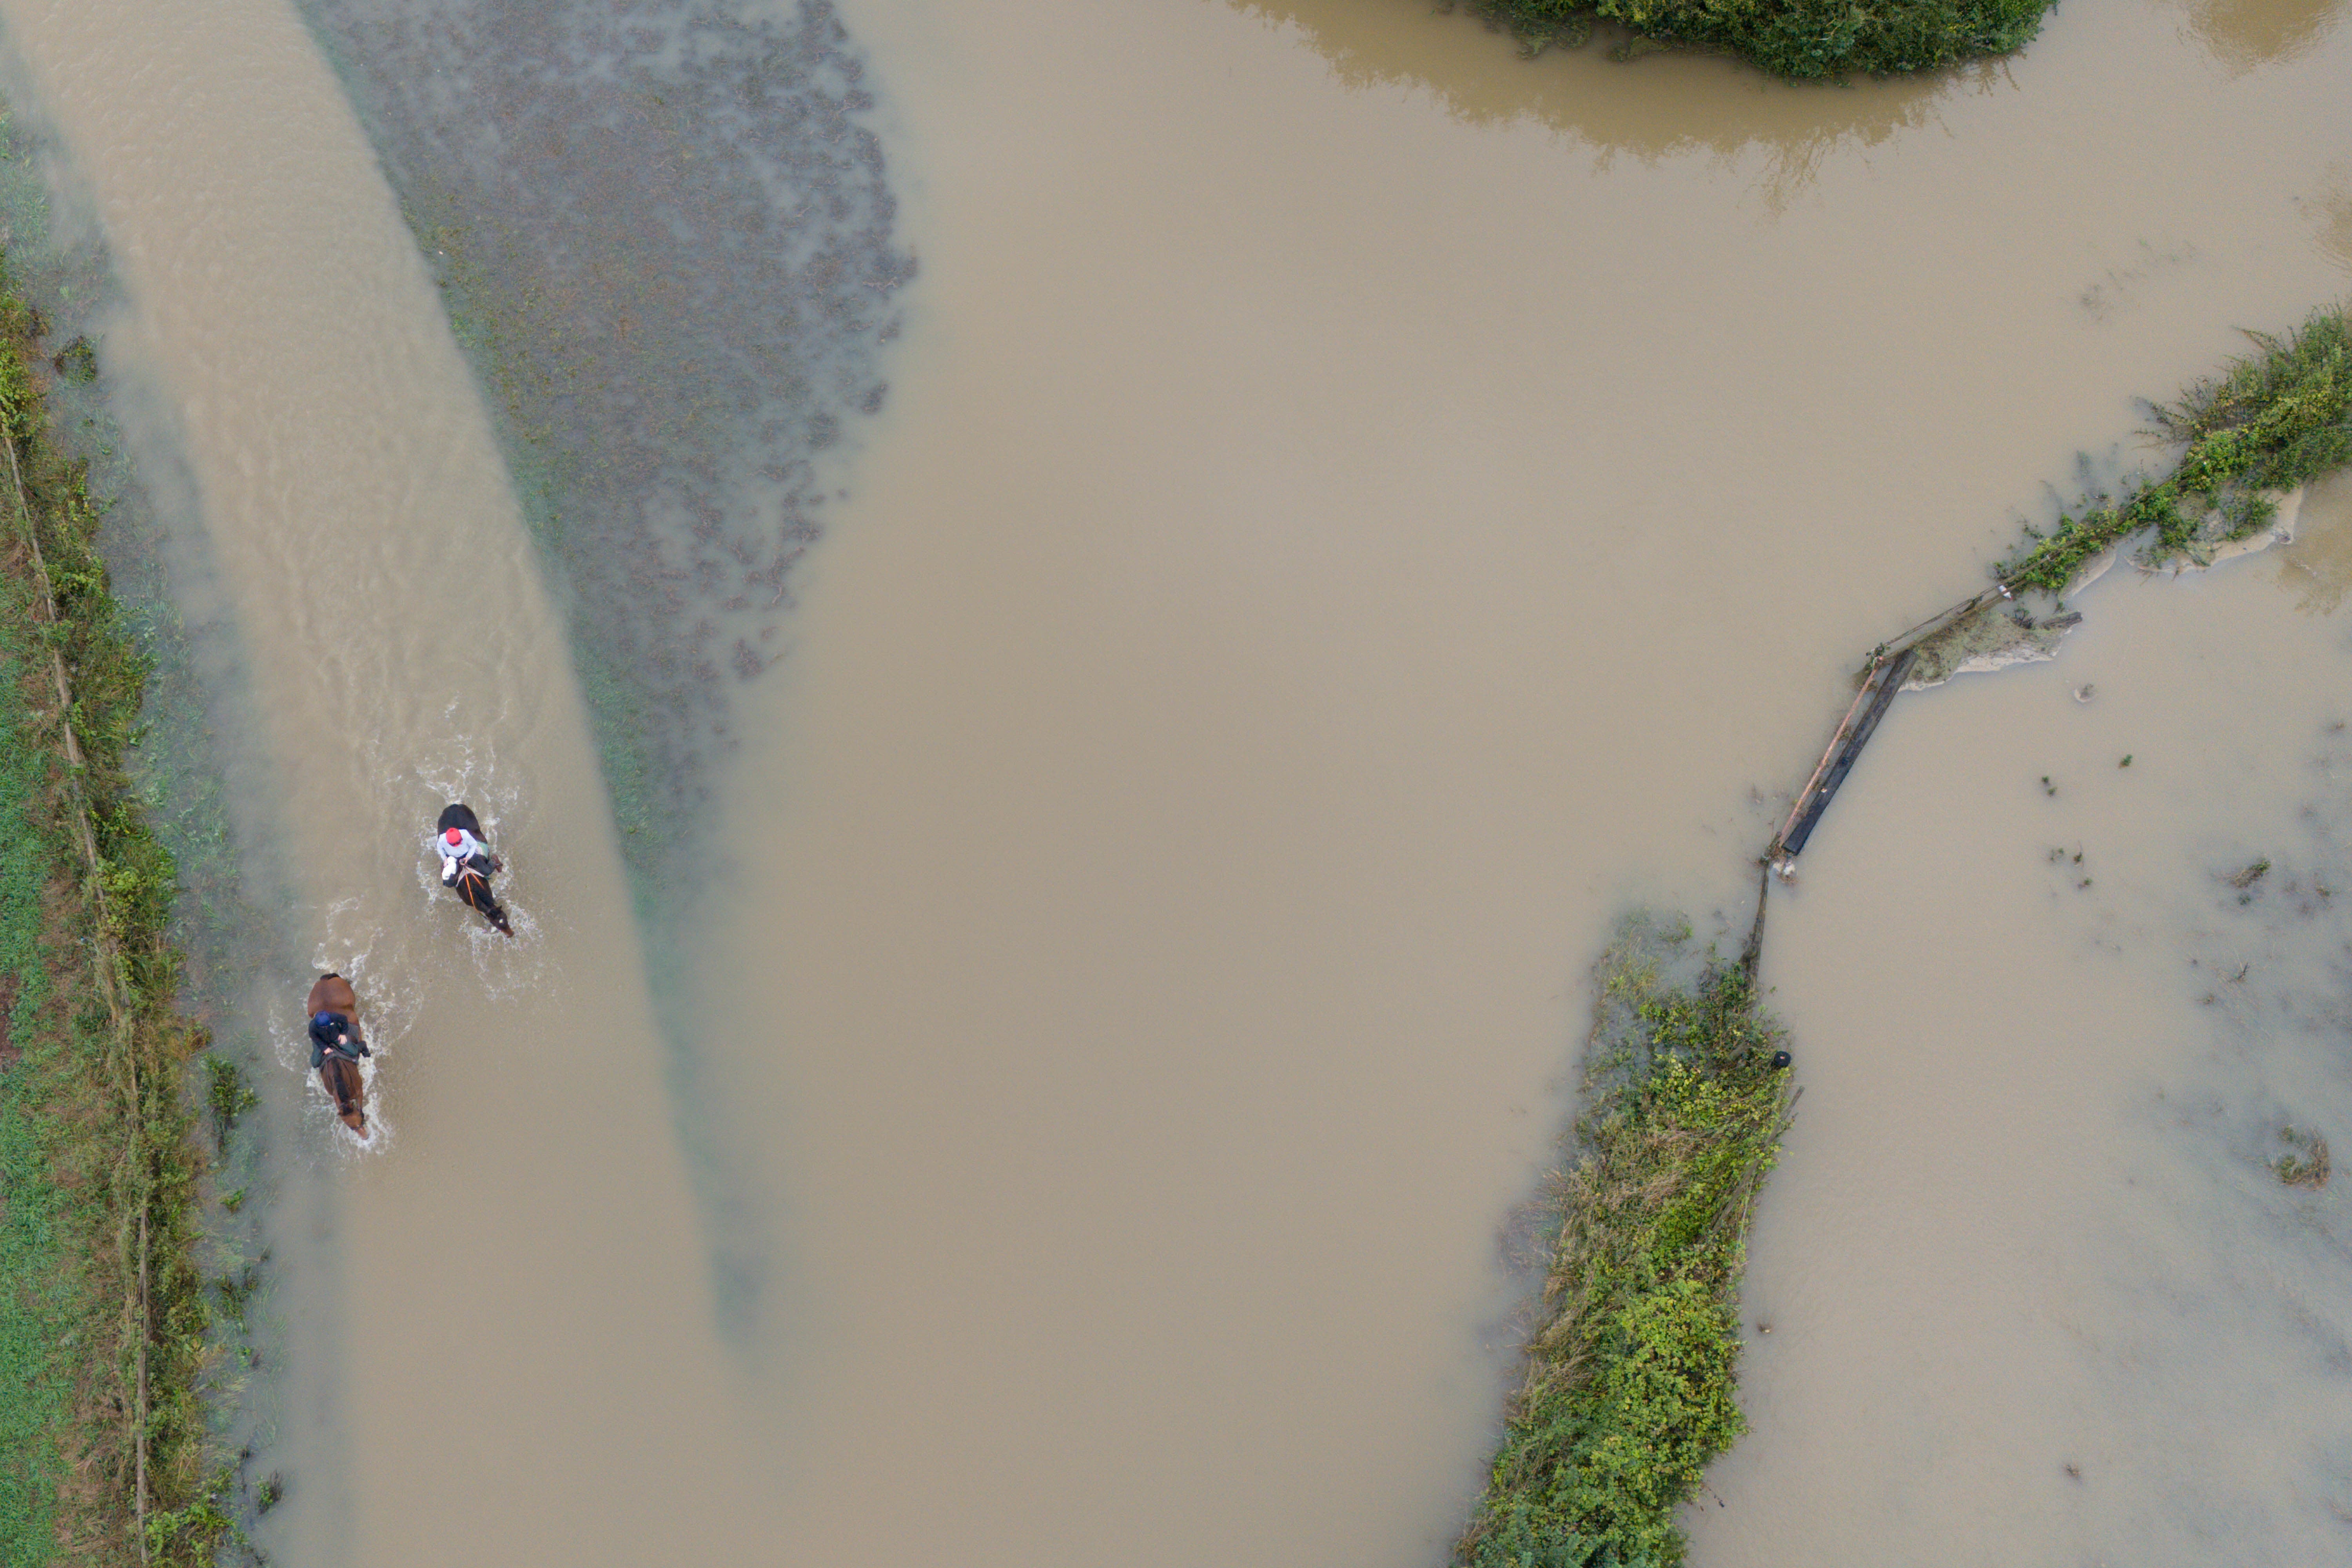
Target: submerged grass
2308	1166
1631	1372
102	1316
2271	421
1804	40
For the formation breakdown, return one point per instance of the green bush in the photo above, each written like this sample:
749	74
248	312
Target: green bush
1801	38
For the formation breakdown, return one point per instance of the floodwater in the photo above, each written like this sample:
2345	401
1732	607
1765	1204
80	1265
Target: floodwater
2031	1284
1353	512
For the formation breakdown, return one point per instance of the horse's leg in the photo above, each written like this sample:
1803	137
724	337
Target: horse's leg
475	888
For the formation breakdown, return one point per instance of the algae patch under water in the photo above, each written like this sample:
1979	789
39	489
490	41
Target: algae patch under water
666	240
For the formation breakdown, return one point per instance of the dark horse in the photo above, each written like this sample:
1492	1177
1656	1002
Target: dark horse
339	1068
472	879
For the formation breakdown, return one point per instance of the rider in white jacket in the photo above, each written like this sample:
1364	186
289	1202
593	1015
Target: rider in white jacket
458	849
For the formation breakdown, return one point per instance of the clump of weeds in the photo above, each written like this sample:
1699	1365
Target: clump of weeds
2307	1165
1632	1371
227	1096
237	1292
2269	422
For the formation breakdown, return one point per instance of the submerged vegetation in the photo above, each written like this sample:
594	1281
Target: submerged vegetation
1628	1391
2273	420
2309	1165
1804	40
102	1316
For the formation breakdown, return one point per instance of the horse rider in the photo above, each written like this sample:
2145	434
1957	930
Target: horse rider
333	1032
461	851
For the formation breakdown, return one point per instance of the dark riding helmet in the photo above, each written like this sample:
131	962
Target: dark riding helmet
322	1019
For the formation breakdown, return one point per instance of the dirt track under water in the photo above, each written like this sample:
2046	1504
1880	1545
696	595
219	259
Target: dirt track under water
1352	512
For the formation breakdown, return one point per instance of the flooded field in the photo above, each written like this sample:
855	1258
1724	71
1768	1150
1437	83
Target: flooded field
1330	516
2027	1278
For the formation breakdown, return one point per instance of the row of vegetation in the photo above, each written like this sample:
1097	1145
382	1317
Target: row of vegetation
1630	1376
103	1451
2274	419
1806	39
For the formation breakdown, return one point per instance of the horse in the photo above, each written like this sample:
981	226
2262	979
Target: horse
339	1072
472	883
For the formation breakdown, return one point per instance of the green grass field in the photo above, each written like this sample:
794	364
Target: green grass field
39	1301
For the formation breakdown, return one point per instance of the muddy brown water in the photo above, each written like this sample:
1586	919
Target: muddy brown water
1355	512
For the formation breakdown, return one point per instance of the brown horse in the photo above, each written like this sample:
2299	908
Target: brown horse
339	1072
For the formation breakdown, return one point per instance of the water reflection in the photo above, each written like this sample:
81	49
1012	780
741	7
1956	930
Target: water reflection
2243	34
1662	105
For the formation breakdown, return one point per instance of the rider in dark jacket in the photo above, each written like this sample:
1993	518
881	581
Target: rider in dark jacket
333	1032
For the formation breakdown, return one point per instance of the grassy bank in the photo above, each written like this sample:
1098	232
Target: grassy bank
2271	421
102	1319
1631	1369
1804	40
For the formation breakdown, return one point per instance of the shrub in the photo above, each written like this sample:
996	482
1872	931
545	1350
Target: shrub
1801	38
